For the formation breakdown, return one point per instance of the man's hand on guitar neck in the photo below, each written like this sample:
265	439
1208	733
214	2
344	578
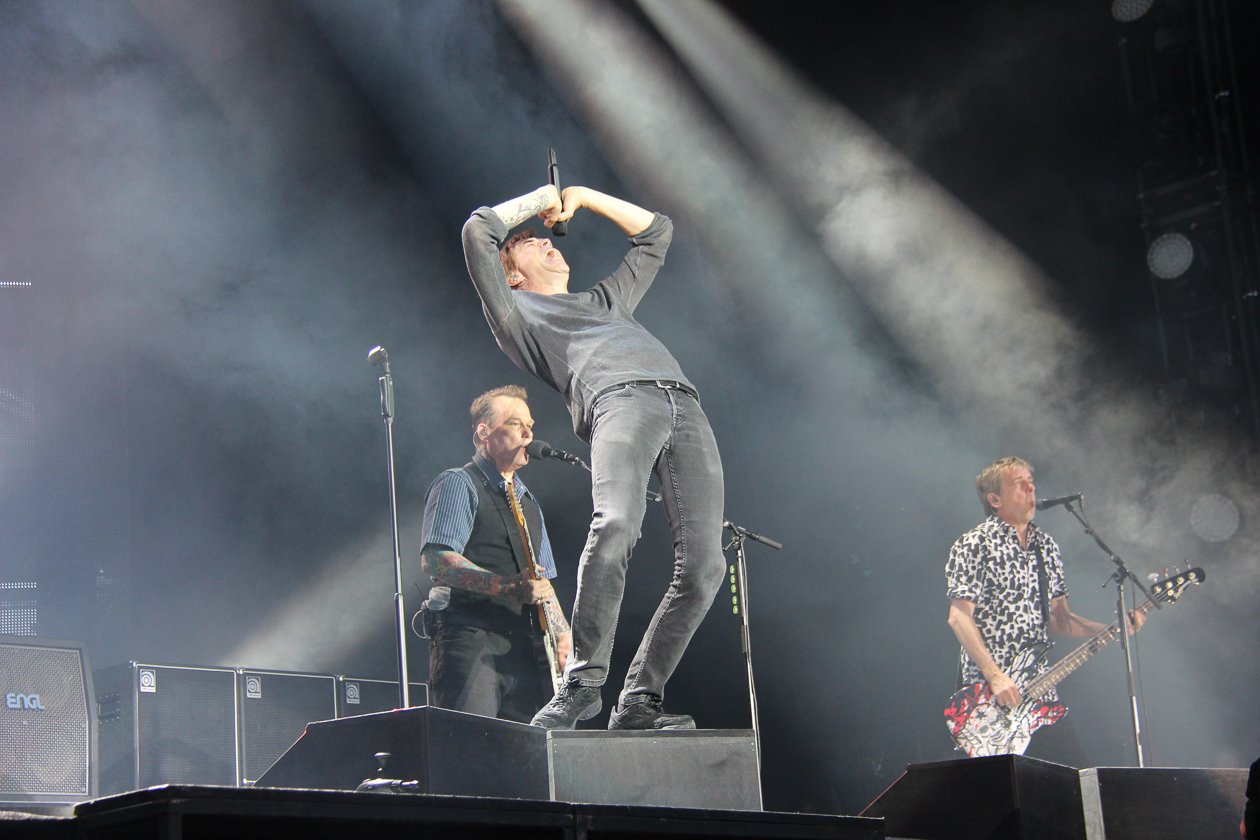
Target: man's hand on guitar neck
1005	692
529	587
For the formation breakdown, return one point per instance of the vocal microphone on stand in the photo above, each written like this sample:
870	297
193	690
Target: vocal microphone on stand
1042	504
541	449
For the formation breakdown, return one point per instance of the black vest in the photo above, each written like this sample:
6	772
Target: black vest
496	546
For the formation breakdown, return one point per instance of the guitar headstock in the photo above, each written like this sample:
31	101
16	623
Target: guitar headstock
1171	586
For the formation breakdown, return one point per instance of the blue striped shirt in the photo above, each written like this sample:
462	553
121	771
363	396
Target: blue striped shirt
451	506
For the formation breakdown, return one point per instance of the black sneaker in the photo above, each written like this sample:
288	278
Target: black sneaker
573	702
647	715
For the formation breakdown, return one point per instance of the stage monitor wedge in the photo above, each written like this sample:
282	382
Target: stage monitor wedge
1003	796
442	751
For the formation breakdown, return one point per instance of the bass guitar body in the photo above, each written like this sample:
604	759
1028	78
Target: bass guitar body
981	727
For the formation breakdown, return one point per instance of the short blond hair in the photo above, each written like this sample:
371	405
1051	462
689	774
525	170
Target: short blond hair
990	479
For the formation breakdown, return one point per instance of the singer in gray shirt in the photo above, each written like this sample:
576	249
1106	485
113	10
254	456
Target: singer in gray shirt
629	398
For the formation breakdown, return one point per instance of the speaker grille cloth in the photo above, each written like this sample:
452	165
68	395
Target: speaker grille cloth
270	723
187	727
43	751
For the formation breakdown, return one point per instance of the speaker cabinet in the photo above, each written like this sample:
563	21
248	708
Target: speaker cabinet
688	768
275	708
1004	797
47	730
1162	803
164	724
442	751
365	697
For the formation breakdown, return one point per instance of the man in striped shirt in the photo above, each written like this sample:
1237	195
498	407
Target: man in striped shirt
486	655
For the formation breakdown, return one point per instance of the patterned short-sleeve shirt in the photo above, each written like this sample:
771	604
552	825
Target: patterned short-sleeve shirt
989	567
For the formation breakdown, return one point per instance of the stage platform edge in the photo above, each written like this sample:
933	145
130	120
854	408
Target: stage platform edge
188	812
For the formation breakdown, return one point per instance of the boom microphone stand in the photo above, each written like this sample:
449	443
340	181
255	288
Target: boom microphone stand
378	356
1121	574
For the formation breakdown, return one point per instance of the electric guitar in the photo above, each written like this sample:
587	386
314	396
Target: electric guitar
981	727
549	639
549	636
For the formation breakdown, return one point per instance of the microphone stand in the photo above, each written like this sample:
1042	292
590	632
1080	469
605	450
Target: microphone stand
740	580
739	590
386	381
1121	574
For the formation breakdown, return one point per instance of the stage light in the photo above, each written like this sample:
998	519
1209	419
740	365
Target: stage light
1170	256
1214	517
1127	11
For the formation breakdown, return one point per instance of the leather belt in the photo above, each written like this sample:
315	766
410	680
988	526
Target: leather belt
663	384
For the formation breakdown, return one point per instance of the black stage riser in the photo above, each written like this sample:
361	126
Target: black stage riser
268	814
47	728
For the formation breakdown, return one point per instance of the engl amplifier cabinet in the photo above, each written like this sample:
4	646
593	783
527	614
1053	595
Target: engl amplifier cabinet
47	729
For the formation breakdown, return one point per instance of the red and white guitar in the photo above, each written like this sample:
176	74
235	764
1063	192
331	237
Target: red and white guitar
981	727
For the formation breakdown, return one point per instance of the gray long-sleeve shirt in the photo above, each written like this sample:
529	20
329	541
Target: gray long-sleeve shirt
579	342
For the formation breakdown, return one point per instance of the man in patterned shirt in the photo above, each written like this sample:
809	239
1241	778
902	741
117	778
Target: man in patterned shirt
997	609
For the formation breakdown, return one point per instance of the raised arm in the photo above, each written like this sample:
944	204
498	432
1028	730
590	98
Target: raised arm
631	218
516	210
548	205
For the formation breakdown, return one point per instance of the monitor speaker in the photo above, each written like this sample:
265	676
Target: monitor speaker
47	730
436	750
165	724
1001	796
1162	803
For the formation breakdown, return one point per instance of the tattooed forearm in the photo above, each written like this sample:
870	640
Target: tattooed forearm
517	210
555	616
451	568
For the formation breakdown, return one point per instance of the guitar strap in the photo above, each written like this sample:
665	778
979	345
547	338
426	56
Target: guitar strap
1043	583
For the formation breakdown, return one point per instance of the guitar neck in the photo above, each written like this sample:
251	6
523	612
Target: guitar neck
1043	684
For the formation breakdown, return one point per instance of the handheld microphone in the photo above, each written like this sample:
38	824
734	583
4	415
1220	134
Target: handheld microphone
1042	504
541	449
553	178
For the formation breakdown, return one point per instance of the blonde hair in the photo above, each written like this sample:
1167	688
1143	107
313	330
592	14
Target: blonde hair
990	479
